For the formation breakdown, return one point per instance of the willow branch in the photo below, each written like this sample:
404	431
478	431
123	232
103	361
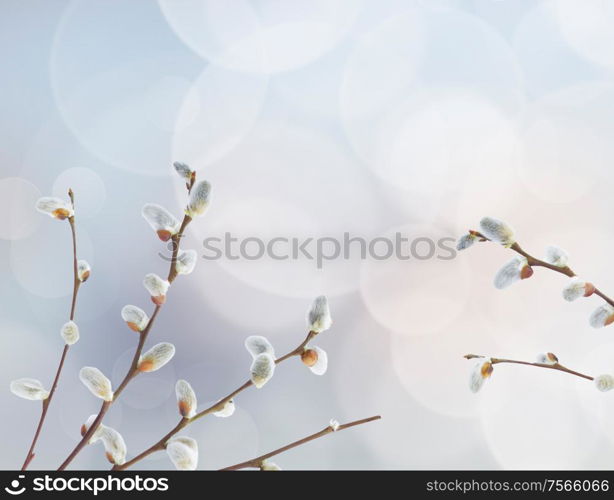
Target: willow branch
58	372
556	366
535	262
184	422
256	463
133	370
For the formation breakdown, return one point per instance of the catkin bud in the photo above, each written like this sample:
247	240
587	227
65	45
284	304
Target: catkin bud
227	410
481	371
55	207
262	369
135	318
604	383
547	358
184	170
556	256
70	333
602	316
29	388
498	231
186	261
157	288
186	399
265	465
114	446
161	221
96	382
83	270
334	425
318	316
316	359
156	357
183	452
256	345
577	288
199	199
465	241
516	269
86	426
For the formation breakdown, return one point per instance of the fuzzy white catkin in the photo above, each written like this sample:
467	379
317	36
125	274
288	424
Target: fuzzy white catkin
269	466
318	316
156	286
574	289
477	378
160	219
199	199
321	365
114	445
604	382
96	382
227	410
262	369
256	344
186	399
509	273
55	207
97	433
186	261
601	316
184	170
334	425
465	241
183	452
70	333
547	358
156	357
556	256
498	231
135	317
83	270
29	388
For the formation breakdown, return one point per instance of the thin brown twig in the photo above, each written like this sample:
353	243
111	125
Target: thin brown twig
56	378
133	370
184	422
256	463
556	366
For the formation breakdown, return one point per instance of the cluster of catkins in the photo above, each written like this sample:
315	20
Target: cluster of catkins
519	269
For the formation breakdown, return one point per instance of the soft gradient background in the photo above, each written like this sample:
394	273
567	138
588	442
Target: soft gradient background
312	118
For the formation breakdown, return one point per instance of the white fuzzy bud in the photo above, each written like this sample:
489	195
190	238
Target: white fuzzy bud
318	316
70	333
556	256
199	199
183	452
184	170
55	207
86	427
156	357
498	231
515	270
547	358
161	221
262	369
602	316
83	270
186	399
29	388
604	383
186	261
256	345
157	288
465	241
577	288
96	382
114	446
334	425
269	466
227	410
481	371
135	317
316	359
